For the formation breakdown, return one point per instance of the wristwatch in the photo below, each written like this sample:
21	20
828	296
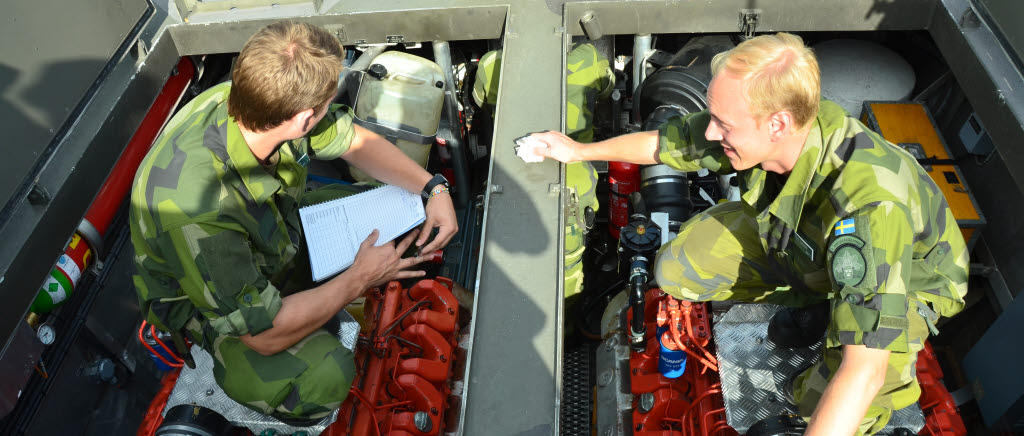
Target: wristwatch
437	180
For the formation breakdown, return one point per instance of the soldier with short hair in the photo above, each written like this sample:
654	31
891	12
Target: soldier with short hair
831	216
214	218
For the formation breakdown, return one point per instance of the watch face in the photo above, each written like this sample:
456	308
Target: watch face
46	334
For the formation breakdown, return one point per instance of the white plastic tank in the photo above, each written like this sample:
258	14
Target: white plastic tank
407	95
855	71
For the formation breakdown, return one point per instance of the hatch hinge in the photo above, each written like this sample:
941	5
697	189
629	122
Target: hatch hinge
748	22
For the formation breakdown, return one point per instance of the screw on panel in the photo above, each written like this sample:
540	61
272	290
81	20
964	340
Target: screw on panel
970	19
38	196
422	422
209	392
646	402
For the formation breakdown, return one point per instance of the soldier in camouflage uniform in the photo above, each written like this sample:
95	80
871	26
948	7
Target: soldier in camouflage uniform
588	79
214	221
830	211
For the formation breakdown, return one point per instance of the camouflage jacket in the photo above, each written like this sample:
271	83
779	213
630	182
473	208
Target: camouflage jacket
216	233
588	79
857	219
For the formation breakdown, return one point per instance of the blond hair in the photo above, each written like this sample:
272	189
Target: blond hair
284	69
781	74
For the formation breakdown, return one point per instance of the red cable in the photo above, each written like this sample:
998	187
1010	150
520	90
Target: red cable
373	410
145	344
704	419
700	398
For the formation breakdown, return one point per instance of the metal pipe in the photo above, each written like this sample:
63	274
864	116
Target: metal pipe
641	49
443	57
591	26
117	185
616	111
363	61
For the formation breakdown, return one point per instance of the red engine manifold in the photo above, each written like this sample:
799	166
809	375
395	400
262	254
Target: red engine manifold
940	412
691	404
405	364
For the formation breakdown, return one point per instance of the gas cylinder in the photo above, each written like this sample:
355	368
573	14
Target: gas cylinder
64	276
623	179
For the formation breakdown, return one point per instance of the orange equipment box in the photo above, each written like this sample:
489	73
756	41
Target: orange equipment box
910	126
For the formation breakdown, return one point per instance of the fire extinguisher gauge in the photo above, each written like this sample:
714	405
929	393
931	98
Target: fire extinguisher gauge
46	334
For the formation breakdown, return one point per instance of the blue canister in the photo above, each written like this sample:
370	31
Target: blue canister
671	359
167	354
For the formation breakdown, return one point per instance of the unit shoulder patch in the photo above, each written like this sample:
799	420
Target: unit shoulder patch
848	266
848	257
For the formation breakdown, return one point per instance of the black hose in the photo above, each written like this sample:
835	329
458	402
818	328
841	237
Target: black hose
637	283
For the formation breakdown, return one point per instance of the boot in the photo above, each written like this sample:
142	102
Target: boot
797	327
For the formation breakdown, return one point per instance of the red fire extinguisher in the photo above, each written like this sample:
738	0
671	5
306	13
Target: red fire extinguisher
623	179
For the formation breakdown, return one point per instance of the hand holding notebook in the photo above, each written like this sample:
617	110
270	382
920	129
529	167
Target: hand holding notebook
334	229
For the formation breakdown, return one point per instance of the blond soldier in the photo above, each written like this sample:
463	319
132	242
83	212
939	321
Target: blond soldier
830	213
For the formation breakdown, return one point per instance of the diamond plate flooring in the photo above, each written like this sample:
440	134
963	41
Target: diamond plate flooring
754	370
197	386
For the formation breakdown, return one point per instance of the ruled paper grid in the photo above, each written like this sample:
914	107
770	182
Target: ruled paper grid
334	229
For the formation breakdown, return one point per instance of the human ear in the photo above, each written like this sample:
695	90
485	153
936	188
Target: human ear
303	120
779	123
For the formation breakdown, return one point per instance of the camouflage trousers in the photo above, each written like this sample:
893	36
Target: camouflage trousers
718	256
310	379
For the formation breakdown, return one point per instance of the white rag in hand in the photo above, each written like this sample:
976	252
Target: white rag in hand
526	147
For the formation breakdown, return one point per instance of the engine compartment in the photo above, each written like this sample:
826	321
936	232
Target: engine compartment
420	365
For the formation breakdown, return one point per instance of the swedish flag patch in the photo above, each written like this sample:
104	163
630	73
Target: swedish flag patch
845	227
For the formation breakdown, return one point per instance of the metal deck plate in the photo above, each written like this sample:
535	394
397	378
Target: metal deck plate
197	386
754	370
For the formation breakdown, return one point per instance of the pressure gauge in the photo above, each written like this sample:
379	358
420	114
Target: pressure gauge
46	334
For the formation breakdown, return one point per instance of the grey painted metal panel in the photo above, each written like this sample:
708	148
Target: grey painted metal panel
1008	15
701	16
48	60
994	87
25	352
513	376
33	238
372	27
993	369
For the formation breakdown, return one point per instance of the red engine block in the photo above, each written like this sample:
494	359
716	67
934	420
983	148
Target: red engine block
940	413
691	404
405	365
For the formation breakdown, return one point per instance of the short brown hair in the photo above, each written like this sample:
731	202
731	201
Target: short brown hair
284	69
780	74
